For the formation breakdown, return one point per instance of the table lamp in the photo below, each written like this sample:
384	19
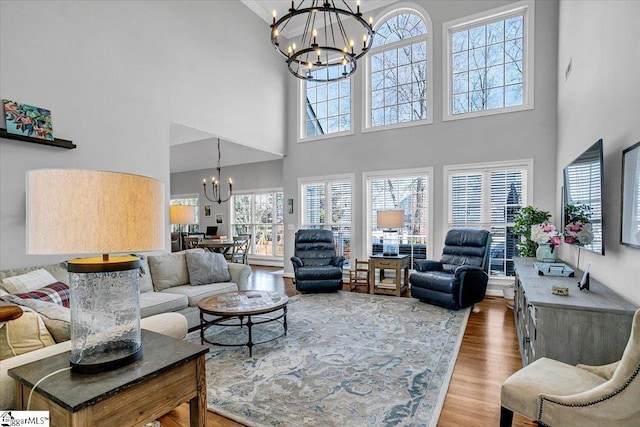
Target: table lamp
182	214
72	211
390	221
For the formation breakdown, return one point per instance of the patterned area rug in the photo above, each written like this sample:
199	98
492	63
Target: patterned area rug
348	359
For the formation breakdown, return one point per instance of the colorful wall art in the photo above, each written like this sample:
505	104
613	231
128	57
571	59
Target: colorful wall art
27	120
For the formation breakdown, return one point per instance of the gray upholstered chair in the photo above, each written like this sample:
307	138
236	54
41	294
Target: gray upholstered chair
556	394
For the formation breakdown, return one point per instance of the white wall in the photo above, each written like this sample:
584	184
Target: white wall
114	74
601	99
519	135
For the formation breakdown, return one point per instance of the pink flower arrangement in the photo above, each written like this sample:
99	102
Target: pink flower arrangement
578	233
545	233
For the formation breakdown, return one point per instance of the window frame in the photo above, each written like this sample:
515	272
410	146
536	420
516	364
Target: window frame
527	193
366	84
326	180
525	7
252	226
366	203
302	104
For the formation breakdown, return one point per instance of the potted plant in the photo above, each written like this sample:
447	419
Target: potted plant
525	218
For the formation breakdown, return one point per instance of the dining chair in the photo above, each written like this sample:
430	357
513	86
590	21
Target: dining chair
240	248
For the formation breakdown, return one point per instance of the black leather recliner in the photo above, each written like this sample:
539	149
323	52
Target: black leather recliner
315	264
460	278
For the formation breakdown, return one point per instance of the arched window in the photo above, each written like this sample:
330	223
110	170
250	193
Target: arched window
399	71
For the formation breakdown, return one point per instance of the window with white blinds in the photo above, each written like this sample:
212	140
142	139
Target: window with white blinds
327	203
584	188
406	190
488	196
262	216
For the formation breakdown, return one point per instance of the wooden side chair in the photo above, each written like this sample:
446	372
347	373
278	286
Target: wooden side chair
192	242
359	276
240	248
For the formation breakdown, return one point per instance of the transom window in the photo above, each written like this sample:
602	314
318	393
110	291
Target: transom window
327	107
326	203
398	71
490	63
489	196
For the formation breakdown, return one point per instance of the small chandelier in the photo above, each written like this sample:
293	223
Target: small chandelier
215	184
324	52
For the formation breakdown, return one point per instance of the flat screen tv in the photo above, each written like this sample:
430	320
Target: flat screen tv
583	213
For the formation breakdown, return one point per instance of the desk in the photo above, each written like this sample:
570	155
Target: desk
398	263
170	373
220	246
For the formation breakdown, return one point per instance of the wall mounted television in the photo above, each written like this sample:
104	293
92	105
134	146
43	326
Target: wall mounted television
582	200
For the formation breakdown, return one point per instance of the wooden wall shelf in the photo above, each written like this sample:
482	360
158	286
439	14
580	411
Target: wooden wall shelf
62	143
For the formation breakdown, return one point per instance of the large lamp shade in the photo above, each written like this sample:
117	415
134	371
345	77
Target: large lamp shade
96	212
182	214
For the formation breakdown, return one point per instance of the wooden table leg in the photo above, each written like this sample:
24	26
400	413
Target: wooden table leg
198	405
398	279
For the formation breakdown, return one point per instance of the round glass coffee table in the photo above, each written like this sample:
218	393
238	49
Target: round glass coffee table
242	308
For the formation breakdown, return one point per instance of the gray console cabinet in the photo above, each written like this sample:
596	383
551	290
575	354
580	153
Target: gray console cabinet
589	326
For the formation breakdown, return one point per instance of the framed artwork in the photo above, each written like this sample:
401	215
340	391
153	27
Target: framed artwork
630	224
27	120
207	210
218	218
290	206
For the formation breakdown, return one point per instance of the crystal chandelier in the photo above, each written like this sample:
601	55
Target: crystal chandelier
326	51
215	184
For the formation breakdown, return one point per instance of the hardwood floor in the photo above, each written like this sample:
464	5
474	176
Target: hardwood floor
488	355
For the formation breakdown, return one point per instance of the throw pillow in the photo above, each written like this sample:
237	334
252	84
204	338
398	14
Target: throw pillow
207	267
168	270
28	282
56	317
57	293
24	334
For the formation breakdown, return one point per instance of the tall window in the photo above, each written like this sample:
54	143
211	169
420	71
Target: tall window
409	191
490	62
488	196
326	203
189	200
260	215
398	72
326	107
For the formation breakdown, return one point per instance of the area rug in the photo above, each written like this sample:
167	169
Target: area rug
347	360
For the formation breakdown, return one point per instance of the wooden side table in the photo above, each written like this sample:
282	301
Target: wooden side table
398	263
170	373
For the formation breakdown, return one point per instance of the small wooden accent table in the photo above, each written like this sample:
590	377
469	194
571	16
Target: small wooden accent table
382	262
170	373
243	306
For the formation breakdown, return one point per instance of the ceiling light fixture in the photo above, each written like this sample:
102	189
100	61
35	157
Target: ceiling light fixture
326	50
215	184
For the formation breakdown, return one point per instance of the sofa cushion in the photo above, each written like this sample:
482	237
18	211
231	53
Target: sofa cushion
56	317
28	282
24	334
169	270
207	267
57	293
157	302
196	293
59	271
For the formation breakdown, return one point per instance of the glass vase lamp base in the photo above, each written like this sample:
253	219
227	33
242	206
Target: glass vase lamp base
546	253
390	243
105	313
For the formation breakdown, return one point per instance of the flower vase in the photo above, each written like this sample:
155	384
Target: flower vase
546	253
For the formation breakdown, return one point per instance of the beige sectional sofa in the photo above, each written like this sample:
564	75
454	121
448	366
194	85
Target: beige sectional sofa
171	285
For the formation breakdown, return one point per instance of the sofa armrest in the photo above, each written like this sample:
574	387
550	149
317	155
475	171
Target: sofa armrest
427	265
240	275
171	324
466	268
